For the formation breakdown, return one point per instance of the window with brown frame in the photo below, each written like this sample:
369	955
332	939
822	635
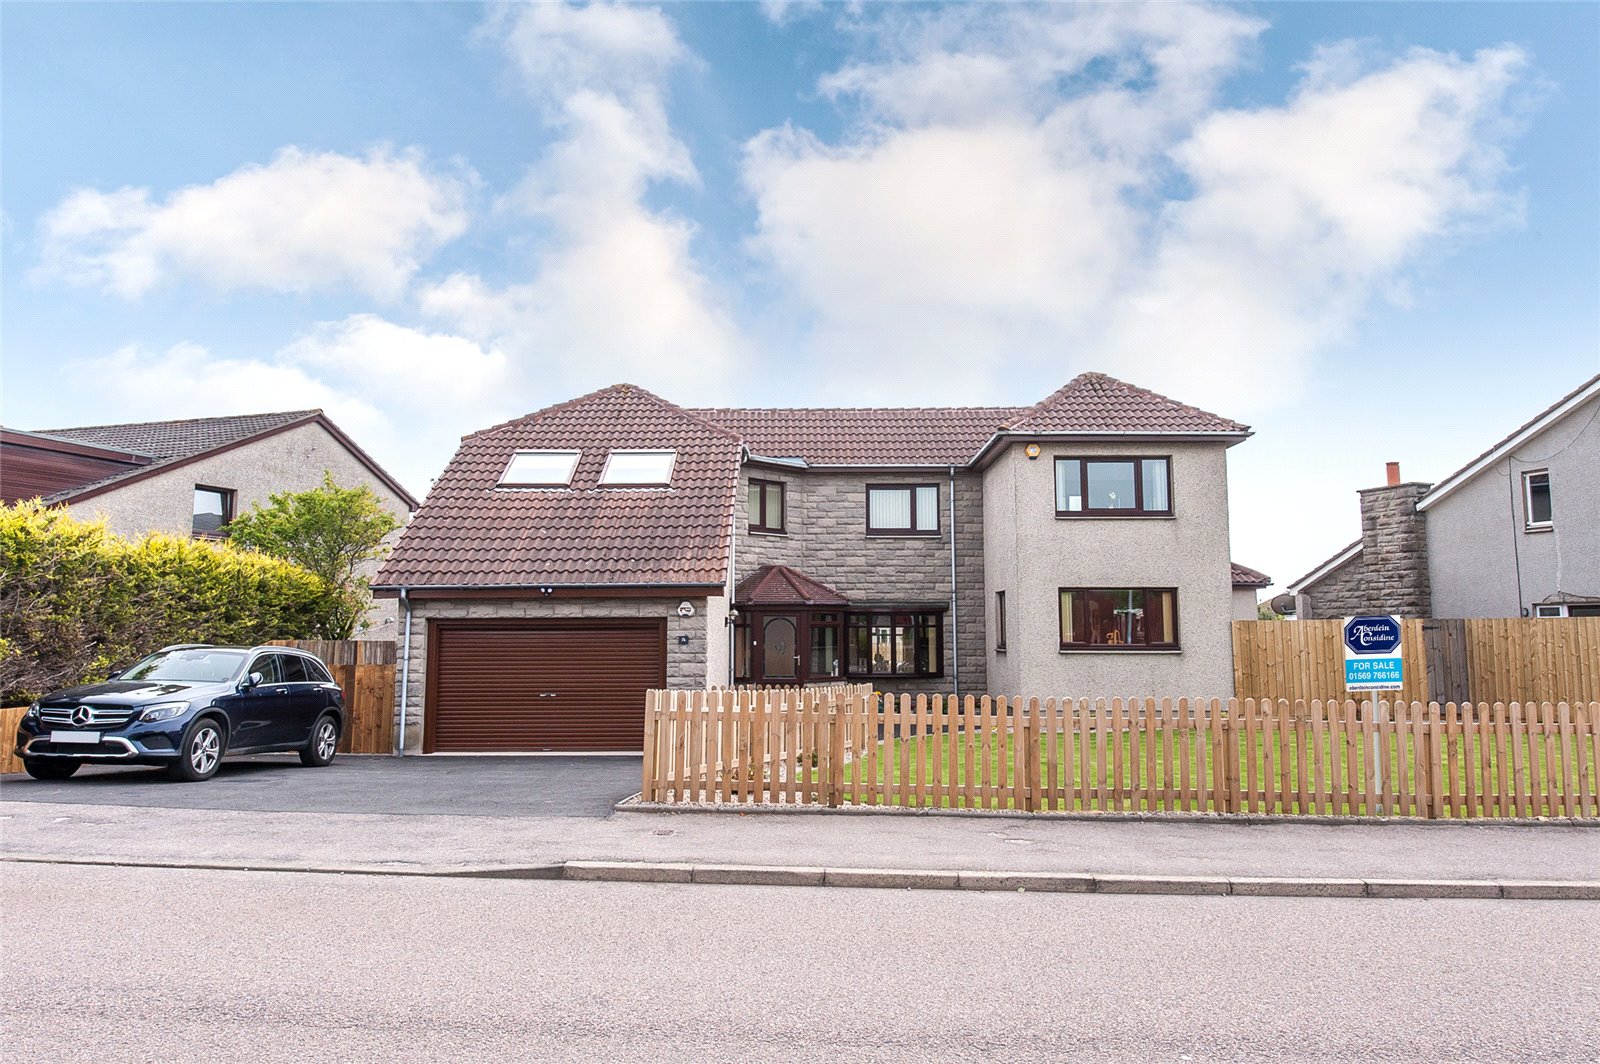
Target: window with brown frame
1113	487
766	500
902	509
894	644
1119	618
1000	620
213	509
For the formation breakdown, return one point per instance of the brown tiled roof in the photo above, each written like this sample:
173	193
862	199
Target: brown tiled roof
1090	404
1096	403
779	585
469	533
918	435
1244	576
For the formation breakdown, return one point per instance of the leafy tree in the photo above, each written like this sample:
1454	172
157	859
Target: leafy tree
1265	612
334	532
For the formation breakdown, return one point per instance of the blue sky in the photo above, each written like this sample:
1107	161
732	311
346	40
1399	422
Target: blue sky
1369	230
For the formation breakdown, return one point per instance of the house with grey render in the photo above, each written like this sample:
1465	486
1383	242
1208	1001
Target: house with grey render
1513	533
566	561
190	477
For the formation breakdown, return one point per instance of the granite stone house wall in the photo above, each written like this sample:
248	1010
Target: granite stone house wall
1390	574
826	538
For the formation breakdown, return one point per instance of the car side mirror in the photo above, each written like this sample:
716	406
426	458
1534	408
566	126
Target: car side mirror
253	680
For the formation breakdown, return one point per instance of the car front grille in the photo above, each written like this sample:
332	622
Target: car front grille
99	716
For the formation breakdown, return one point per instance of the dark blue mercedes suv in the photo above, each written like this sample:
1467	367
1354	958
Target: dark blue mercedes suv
186	707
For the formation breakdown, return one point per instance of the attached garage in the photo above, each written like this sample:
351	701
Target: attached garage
529	686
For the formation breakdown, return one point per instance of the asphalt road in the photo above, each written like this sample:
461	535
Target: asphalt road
140	964
454	786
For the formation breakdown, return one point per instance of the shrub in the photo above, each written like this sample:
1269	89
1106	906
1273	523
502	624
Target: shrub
77	602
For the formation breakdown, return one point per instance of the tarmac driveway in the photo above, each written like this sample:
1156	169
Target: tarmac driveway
438	785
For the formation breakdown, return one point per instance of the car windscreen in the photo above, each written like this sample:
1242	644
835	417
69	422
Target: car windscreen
200	665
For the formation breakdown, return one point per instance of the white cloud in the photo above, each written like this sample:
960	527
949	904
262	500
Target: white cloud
402	365
405	396
1057	186
615	293
305	220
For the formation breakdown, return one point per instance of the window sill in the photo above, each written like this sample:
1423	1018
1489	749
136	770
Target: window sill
904	535
1114	517
1121	650
767	532
999	650
1536	529
888	677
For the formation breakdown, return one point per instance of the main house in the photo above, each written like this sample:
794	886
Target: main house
568	560
1514	532
189	477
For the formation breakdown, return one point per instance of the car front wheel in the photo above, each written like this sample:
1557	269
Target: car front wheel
53	769
324	742
200	753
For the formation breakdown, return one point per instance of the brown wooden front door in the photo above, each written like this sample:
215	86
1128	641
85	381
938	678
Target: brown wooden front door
777	656
540	685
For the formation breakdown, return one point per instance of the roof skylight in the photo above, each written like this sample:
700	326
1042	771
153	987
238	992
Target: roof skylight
540	469
638	469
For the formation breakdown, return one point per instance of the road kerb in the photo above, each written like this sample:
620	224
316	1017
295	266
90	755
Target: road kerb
629	872
1042	882
757	875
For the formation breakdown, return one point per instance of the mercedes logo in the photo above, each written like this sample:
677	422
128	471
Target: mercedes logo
82	715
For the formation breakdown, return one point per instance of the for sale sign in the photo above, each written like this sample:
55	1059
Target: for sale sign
1372	659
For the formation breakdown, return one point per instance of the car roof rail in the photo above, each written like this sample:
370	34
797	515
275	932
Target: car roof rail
185	646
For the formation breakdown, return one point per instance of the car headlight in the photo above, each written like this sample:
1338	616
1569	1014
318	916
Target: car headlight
33	711
163	711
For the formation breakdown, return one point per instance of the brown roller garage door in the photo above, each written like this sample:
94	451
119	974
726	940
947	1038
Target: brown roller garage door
531	685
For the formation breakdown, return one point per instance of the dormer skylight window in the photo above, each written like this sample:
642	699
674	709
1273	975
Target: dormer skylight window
638	469
540	469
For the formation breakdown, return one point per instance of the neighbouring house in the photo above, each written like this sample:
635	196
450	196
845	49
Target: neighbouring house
568	560
1246	583
1513	533
190	477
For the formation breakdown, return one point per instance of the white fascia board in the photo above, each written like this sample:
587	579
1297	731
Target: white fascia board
1325	568
1521	436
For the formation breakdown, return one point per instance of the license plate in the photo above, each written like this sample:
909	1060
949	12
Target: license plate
90	737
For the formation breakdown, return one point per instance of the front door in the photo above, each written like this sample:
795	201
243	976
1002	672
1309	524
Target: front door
778	647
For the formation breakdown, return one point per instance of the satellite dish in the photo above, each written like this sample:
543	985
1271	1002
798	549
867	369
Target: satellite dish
1283	604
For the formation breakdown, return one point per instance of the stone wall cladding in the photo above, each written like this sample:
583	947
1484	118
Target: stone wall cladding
1390	575
686	665
826	538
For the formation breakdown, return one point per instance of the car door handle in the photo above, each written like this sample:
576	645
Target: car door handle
280	690
548	694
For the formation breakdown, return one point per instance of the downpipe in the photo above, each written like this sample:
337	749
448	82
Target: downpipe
955	628
405	676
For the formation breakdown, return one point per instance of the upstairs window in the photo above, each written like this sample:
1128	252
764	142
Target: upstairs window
1537	515
638	469
1113	487
540	469
213	509
766	506
903	510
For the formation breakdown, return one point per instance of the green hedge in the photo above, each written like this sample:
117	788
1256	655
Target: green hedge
77	602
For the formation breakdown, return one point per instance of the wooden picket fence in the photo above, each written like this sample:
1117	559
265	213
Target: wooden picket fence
850	745
364	670
1500	659
10	717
